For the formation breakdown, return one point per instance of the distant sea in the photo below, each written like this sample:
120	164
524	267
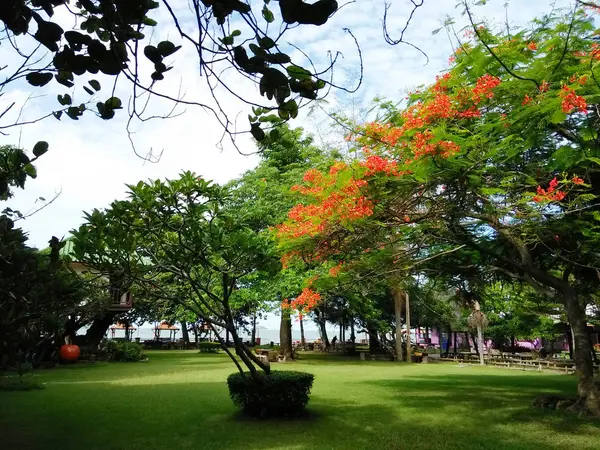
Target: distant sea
146	333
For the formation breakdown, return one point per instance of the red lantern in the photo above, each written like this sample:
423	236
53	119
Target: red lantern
69	353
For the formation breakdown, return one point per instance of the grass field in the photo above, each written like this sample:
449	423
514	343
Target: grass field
179	400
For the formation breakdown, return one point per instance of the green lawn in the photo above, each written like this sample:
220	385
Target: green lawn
179	400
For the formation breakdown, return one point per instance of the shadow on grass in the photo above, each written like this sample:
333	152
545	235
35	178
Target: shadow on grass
490	401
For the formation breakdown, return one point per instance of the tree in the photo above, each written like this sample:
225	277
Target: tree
263	196
182	228
114	39
38	292
497	161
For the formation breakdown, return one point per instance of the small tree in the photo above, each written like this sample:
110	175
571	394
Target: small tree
180	227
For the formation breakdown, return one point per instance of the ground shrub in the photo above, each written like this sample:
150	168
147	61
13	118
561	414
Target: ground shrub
281	394
123	351
20	384
209	347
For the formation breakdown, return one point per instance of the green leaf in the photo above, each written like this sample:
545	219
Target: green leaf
298	73
236	33
57	114
167	48
227	40
95	84
257	132
38	79
267	14
266	42
64	99
113	103
278	58
150	22
88	90
558	117
40	148
593	159
436	31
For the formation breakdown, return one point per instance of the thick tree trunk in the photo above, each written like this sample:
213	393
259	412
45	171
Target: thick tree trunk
374	344
97	330
227	337
285	334
184	332
253	335
589	391
352	334
302	338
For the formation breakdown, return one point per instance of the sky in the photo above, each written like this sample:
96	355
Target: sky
91	160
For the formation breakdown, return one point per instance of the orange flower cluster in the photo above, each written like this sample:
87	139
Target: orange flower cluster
304	303
377	164
550	194
346	202
335	271
572	101
532	46
577	180
484	87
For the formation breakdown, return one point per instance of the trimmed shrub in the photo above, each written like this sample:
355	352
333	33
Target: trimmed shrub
123	351
279	394
209	347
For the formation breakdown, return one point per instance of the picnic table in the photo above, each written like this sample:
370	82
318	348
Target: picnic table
270	355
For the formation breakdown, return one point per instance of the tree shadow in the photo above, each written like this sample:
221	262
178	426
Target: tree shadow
491	402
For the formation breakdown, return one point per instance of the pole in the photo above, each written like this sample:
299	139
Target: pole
398	311
408	346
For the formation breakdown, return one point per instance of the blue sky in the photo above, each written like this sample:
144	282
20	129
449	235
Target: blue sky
90	161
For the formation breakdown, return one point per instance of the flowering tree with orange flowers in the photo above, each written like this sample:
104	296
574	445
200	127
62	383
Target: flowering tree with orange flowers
496	162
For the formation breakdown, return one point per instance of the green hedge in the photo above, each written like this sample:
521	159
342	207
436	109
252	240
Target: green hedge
123	351
209	347
280	394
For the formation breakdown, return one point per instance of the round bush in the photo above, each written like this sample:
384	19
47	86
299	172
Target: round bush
123	351
279	394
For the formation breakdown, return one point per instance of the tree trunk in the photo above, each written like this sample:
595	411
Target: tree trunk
127	325
589	392
184	332
398	298
253	336
323	330
374	345
227	337
479	337
302	339
97	330
352	334
285	334
408	344
454	341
